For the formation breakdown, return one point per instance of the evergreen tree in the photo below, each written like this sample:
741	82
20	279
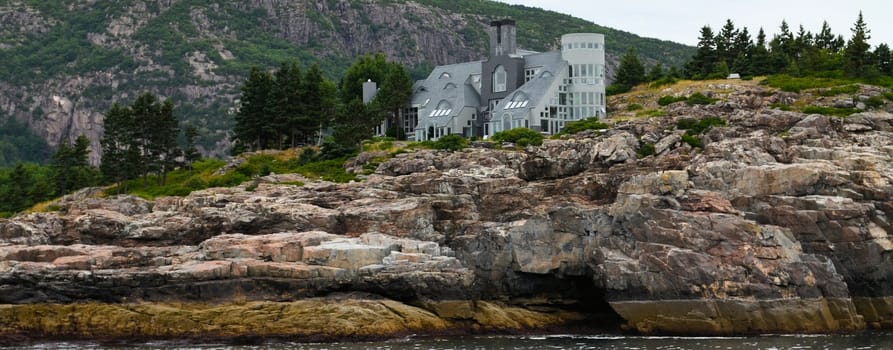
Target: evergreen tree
725	43
355	122
760	60
250	132
743	48
312	94
71	168
655	73
119	148
287	108
630	73
856	53
365	68
825	39
395	90
705	59
190	152
883	59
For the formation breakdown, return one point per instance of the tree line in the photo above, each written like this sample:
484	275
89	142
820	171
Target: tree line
287	108
734	50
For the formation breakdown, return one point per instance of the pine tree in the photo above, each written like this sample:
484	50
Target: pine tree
656	72
760	61
631	71
118	146
705	58
316	102
396	89
190	151
825	39
883	59
725	42
856	53
70	167
249	131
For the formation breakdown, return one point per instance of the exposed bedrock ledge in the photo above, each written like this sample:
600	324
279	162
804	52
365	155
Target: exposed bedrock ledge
713	316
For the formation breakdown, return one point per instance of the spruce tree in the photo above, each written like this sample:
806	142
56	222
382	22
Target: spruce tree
705	58
396	89
249	131
883	59
856	53
760	61
630	73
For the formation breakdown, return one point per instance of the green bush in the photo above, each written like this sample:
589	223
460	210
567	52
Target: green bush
666	100
645	149
832	111
889	95
633	107
583	125
452	142
663	82
692	140
699	99
840	90
695	127
874	102
522	137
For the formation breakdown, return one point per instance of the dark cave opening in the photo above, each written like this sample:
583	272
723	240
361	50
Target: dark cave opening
571	293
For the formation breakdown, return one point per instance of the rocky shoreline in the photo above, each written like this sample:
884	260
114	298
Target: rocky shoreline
778	223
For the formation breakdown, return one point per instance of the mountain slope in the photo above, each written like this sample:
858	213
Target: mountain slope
65	62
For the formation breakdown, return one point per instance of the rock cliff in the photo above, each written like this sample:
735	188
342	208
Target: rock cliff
779	222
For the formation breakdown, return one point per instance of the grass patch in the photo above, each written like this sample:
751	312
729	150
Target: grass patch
888	96
633	107
651	113
832	111
692	140
874	102
667	100
204	174
788	83
781	106
840	90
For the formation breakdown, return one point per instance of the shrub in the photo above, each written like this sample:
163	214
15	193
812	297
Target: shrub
452	142
645	149
699	99
695	127
692	140
874	102
663	82
840	90
522	137
889	95
583	125
666	100
633	107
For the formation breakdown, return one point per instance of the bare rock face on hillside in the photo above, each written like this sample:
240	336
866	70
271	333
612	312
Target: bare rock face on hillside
779	222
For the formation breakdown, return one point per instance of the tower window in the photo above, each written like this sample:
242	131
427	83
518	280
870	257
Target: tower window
499	79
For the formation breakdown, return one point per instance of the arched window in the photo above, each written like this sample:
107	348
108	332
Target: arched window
519	100
499	79
443	108
445	75
449	86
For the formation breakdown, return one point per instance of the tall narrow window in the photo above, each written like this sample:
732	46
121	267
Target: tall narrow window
499	79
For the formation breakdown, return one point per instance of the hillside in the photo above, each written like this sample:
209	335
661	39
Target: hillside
64	62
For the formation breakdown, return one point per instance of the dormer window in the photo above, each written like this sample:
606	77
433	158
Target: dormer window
443	108
445	75
449	86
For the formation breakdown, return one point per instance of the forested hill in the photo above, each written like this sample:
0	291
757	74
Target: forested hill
65	61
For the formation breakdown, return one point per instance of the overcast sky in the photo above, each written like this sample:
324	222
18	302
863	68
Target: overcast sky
681	21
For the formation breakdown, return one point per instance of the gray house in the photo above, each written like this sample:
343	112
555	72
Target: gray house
513	88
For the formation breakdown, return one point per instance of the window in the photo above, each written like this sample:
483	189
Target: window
445	75
531	73
443	108
499	79
449	86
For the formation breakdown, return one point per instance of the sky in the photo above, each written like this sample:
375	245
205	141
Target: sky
681	20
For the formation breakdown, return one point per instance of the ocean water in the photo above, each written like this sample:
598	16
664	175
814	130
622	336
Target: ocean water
859	341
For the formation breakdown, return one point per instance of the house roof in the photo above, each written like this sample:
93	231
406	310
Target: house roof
450	84
535	90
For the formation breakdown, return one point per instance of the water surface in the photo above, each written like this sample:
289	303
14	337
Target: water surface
859	341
